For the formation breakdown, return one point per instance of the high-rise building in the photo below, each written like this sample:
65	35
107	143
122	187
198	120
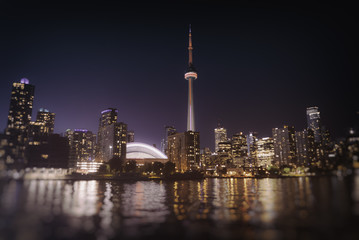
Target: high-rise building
169	130
44	124
22	97
184	150
252	139
130	136
205	155
13	141
220	135
239	149
108	117
305	147
47	118
82	146
284	146
112	137
190	75
313	121
265	152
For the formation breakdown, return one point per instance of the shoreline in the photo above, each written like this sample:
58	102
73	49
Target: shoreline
144	178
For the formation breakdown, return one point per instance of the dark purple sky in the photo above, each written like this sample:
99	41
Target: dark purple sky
259	65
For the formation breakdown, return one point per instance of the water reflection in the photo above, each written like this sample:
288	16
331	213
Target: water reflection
301	208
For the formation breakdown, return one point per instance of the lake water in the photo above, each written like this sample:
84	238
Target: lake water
285	208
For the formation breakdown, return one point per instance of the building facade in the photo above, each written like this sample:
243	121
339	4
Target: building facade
112	137
47	118
184	150
22	97
239	149
13	141
220	135
265	152
252	139
313	122
82	146
305	147
284	146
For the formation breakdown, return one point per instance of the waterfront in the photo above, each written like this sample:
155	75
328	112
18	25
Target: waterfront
227	208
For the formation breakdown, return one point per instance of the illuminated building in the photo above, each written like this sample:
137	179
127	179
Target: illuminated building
141	150
265	152
352	149
40	151
112	137
284	146
239	149
108	117
47	118
82	146
143	153
252	149
224	148
321	137
130	136
205	157
12	143
22	97
190	75
184	150
225	153
169	130
305	147
313	122
220	135
88	167
44	125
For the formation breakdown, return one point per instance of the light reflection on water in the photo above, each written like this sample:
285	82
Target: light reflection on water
301	208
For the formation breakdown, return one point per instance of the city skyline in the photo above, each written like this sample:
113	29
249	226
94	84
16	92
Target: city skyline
146	84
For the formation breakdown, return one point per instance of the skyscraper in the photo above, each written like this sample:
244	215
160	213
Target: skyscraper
239	149
313	122
47	118
265	152
82	146
220	135
252	139
22	97
284	146
184	150
305	147
190	75
108	117
13	141
169	130
130	136
112	137
44	124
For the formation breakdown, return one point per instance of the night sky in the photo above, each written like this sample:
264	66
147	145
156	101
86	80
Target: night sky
259	65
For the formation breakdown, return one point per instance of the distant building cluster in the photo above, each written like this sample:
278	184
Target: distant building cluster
310	149
26	143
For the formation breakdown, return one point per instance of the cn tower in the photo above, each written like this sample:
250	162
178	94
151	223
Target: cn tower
190	75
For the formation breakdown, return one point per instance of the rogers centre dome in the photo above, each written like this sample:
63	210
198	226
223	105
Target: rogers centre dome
137	150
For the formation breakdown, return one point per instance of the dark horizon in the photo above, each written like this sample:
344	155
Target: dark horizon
259	65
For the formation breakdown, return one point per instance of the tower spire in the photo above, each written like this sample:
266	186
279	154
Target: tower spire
190	48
